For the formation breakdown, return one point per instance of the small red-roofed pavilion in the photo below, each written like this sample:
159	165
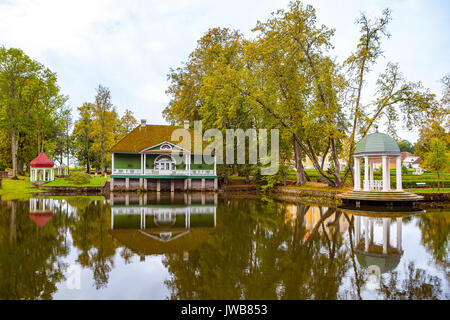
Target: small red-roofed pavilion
42	168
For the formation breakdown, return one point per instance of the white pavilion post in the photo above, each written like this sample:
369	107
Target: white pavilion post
145	162
399	234
112	163
398	172
371	184
357	182
384	174
142	163
388	172
366	173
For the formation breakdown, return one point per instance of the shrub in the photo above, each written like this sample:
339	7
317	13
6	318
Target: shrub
79	177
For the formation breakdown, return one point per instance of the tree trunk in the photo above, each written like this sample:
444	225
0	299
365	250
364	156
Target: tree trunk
101	156
299	165
88	165
337	169
14	152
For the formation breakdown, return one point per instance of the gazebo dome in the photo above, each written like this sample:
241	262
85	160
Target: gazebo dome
377	143
385	263
42	161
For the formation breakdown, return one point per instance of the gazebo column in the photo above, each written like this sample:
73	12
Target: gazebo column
384	173
388	172
398	172
366	173
357	182
371	183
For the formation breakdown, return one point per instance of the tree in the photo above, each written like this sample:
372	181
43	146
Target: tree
104	123
83	135
395	98
29	105
429	131
126	123
437	159
406	146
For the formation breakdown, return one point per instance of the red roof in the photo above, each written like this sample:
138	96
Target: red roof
42	161
41	218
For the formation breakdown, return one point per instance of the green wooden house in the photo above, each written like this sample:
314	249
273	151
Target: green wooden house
145	159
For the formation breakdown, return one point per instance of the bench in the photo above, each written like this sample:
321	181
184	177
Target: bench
421	184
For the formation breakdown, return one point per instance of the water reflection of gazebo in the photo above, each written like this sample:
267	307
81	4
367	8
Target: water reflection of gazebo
41	211
382	256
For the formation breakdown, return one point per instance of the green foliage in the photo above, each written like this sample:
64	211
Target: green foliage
406	146
79	177
405	171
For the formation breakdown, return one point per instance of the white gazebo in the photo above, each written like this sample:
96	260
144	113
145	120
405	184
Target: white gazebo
42	169
370	150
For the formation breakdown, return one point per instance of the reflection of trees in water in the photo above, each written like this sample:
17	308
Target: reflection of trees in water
435	228
255	255
417	286
91	236
30	256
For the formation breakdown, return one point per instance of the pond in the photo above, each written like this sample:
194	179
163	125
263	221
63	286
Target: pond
201	246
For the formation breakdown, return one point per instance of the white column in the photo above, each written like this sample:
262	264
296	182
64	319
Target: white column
145	162
399	234
357	175
388	172
215	164
185	162
366	173
384	174
371	173
399	173
112	164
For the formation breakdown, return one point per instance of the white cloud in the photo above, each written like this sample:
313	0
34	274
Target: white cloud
130	46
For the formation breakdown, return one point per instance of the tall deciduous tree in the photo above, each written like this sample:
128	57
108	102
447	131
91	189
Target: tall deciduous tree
437	159
29	105
83	135
104	123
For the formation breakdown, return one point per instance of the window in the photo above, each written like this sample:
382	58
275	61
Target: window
166	146
165	163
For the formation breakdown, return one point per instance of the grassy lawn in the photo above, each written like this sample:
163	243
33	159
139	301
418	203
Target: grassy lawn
424	190
17	189
94	182
318	186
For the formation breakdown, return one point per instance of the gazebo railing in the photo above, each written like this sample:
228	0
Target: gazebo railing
376	185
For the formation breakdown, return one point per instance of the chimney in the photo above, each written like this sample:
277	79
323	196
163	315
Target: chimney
143	123
186	124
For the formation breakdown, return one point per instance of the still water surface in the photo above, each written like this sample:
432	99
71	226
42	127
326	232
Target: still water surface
204	247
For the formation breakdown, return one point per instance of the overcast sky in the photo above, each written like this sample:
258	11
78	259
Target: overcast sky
129	46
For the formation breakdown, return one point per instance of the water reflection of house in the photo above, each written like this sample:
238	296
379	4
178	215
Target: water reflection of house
41	211
162	228
313	216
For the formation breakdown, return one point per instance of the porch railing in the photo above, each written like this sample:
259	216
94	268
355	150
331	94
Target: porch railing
153	172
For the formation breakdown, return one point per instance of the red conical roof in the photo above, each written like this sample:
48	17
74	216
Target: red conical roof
42	161
41	218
